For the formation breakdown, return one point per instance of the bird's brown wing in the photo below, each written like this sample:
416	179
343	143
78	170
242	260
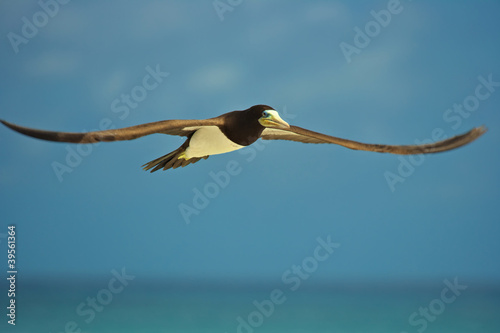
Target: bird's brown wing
171	127
295	133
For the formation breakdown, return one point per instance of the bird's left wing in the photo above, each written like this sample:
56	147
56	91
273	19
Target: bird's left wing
295	133
171	127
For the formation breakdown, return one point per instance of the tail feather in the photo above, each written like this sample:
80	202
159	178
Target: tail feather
171	160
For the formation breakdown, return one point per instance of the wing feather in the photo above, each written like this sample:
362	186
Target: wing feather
295	133
171	127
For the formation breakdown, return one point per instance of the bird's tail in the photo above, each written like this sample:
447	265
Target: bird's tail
172	160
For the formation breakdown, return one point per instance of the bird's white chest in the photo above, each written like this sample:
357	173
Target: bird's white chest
209	140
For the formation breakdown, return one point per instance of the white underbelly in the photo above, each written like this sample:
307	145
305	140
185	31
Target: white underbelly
209	140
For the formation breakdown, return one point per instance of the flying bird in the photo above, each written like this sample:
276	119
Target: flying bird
232	131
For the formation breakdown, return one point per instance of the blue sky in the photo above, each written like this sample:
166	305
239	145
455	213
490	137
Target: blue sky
440	220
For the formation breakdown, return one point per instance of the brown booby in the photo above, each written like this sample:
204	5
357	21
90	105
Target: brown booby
231	131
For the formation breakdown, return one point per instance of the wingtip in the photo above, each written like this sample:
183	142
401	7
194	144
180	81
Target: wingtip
7	124
478	131
482	129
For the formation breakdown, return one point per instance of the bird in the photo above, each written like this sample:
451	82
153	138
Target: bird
232	131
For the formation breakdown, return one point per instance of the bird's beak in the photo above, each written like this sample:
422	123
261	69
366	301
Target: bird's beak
273	121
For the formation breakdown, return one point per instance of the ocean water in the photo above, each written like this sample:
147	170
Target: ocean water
198	306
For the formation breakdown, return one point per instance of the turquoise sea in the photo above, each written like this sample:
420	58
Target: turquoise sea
230	306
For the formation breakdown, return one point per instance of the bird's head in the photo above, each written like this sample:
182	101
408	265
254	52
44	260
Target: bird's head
268	117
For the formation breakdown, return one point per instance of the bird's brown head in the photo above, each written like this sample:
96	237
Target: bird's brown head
267	116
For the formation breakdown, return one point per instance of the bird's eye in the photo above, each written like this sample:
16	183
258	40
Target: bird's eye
265	114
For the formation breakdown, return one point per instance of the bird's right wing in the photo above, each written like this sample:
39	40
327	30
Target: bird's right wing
295	133
171	127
